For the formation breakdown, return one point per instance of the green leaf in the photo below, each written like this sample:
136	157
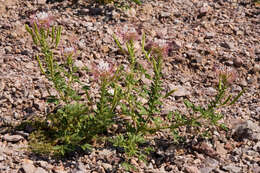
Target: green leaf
118	43
188	104
58	36
52	99
169	93
86	146
224	127
227	100
170	115
53	33
237	97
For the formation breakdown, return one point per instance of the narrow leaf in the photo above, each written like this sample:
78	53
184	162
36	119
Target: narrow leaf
169	93
237	97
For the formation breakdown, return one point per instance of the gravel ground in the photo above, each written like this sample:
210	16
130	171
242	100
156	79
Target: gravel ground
204	33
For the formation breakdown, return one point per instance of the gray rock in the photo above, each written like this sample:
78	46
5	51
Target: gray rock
41	2
256	68
204	10
252	153
255	137
231	168
165	14
176	45
228	45
83	11
95	11
238	62
256	169
209	165
79	64
2	158
211	91
12	138
22	133
40	170
80	171
257	146
253	126
192	169
81	44
8	49
29	65
209	35
247	130
206	169
180	91
44	164
28	168
107	166
258	110
220	149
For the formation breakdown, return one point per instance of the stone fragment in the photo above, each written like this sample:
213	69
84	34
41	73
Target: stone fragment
220	149
203	10
228	45
176	45
255	136
180	91
209	35
246	130
211	91
256	169
79	64
231	168
107	166
206	170
40	170
95	11
29	65
2	158
165	14
41	2
130	12
192	169
81	44
238	62
206	149
12	138
59	169
200	40
8	49
209	165
256	68
28	166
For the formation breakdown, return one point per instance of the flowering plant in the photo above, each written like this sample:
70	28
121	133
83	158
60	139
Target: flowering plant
42	20
123	98
158	47
227	75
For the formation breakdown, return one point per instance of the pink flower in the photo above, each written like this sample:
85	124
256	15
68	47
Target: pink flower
42	20
69	51
158	47
226	74
129	33
103	70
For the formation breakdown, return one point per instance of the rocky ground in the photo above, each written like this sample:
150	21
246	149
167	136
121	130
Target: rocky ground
204	33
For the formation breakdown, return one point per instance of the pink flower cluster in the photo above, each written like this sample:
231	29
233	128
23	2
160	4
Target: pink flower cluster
42	20
129	33
103	69
159	47
226	74
69	51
